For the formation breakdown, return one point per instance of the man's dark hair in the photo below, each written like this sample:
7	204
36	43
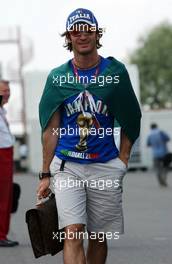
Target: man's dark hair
4	81
68	45
154	125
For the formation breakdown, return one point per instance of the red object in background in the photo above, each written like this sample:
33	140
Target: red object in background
6	179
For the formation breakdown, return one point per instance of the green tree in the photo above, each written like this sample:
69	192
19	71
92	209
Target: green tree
154	60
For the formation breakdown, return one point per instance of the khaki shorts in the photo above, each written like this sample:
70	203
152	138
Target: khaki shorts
90	194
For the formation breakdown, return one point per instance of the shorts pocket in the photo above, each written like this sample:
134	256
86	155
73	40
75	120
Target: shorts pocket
55	165
122	163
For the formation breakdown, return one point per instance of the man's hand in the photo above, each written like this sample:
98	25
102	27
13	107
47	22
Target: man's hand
43	188
125	148
124	158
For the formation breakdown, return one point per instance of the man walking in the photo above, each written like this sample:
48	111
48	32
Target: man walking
80	102
158	140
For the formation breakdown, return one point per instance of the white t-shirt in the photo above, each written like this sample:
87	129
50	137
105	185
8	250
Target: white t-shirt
6	138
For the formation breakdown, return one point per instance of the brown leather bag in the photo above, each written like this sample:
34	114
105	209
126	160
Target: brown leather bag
42	225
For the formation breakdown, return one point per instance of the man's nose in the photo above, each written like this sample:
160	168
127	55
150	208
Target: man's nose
83	36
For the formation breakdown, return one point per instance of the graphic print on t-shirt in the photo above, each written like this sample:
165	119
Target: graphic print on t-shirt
85	122
88	118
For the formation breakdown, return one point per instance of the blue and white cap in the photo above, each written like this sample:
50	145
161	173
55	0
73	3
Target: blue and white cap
81	15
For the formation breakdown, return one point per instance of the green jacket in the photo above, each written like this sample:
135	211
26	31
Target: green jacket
119	97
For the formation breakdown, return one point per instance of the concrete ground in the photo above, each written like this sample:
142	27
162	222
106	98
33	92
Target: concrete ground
148	224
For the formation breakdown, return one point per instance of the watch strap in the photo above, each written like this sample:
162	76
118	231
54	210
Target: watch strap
44	175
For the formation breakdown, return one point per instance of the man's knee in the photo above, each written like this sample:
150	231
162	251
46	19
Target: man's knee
74	233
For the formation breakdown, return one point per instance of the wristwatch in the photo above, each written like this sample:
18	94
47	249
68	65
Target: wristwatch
44	175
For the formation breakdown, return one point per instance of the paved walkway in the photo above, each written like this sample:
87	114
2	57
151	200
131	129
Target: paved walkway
148	224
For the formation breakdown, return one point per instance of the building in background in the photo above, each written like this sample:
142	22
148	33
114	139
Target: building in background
16	51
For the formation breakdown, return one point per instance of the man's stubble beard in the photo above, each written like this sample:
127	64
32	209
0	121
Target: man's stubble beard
87	52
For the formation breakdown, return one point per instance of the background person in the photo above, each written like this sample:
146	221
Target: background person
157	140
6	168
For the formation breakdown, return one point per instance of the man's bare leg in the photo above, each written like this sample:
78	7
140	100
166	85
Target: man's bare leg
97	251
73	252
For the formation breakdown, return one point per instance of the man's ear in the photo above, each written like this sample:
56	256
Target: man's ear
68	38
